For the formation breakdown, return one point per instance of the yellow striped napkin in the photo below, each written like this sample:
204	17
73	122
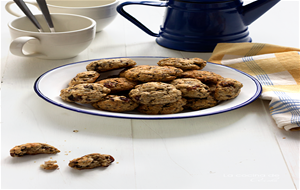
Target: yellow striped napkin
277	68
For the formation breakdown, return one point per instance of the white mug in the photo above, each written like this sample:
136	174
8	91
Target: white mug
73	34
102	11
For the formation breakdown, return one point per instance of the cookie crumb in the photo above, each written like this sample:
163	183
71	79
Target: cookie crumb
50	165
75	131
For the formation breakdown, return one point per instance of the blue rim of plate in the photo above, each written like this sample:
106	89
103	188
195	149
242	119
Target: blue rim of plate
167	116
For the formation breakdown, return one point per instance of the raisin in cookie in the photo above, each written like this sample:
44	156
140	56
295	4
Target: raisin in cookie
117	84
191	88
110	64
91	161
183	63
32	149
84	93
116	103
85	77
169	108
227	89
197	104
146	73
155	93
203	76
49	165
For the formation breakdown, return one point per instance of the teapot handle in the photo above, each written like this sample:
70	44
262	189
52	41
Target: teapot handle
134	20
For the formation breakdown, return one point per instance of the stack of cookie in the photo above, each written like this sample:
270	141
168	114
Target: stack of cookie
174	85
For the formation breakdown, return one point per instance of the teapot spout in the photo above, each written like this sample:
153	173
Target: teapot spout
254	10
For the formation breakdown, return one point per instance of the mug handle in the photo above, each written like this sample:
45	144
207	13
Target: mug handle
134	20
16	46
9	10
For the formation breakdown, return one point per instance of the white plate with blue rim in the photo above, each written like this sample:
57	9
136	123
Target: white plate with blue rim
49	85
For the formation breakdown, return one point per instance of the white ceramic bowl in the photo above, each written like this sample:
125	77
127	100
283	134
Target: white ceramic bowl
102	11
73	34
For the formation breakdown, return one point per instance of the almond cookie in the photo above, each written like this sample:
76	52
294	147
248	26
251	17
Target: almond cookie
227	89
84	93
103	65
91	161
191	88
169	108
116	103
146	73
85	77
155	93
117	84
203	76
32	149
50	165
197	104
183	63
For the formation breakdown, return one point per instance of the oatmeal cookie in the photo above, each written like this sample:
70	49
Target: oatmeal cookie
50	165
91	161
203	76
191	88
122	72
212	87
118	84
227	89
32	149
103	65
183	63
155	93
168	108
84	93
146	73
116	103
85	77
197	104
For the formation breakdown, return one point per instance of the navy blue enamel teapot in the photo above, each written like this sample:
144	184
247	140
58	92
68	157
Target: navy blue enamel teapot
198	25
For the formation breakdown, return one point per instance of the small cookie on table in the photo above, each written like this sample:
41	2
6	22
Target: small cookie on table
91	161
33	149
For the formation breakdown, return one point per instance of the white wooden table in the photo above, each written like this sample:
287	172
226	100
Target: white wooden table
237	149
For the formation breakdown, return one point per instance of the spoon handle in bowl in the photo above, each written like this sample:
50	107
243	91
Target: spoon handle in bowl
28	13
44	8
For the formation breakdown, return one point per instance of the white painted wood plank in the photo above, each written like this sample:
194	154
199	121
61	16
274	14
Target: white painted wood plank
288	142
229	150
27	118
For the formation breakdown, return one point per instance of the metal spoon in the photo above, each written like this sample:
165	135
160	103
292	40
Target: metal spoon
28	13
44	8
